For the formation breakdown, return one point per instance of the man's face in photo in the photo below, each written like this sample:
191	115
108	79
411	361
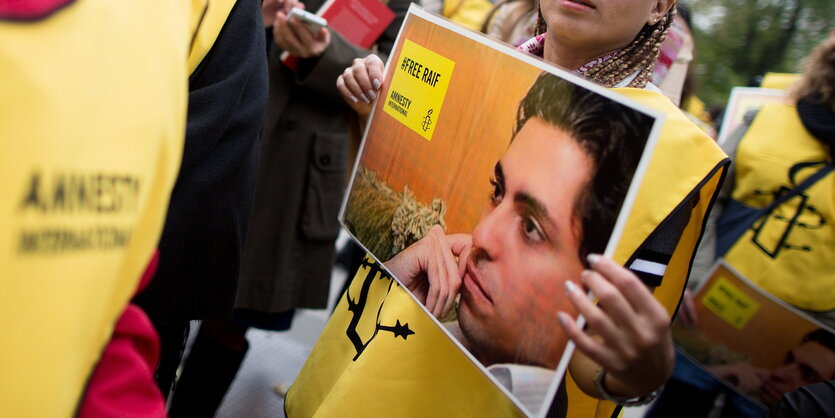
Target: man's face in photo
808	363
525	247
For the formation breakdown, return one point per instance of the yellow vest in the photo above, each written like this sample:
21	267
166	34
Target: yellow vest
92	119
779	81
360	369
467	13
791	253
702	171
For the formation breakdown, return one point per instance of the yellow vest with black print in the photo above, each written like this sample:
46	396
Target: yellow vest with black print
789	253
357	370
93	101
701	172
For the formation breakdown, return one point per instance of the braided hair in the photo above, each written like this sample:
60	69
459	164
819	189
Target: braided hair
641	54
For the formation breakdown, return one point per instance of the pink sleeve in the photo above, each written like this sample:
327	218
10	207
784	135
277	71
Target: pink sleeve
123	385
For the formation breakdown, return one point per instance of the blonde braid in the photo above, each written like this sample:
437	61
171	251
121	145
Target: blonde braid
641	53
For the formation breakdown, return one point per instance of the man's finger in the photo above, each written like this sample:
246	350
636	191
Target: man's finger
459	243
453	275
434	272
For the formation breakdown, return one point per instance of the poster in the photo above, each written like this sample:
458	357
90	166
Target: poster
488	174
754	343
743	100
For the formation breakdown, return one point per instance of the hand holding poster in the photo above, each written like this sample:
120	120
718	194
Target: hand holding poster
756	344
524	176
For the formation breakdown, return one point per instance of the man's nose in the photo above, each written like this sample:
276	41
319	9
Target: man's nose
491	232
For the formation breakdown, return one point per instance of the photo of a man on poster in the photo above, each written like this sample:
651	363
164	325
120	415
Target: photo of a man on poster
555	195
811	361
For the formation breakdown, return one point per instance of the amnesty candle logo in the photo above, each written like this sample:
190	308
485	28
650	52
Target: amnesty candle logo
418	88
357	305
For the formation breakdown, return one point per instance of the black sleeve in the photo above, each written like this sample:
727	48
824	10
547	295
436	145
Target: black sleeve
653	256
208	215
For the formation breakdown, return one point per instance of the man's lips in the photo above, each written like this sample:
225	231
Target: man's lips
473	282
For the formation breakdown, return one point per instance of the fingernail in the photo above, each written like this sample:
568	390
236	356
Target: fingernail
353	99
585	275
371	95
570	287
564	318
365	99
593	258
375	83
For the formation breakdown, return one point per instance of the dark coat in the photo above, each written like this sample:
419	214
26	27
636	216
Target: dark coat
203	237
289	251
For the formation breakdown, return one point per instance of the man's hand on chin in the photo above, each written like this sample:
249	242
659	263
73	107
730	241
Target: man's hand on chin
432	268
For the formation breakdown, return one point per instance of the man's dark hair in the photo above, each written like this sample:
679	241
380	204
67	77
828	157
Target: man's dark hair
822	337
611	134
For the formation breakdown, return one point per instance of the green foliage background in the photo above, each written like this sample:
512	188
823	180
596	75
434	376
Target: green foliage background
738	40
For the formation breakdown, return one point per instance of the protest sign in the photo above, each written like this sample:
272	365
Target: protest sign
514	156
752	342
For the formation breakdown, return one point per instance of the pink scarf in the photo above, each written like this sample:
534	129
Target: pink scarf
536	47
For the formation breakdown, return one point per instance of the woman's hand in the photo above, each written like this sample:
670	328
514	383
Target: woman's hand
292	36
432	268
360	83
628	330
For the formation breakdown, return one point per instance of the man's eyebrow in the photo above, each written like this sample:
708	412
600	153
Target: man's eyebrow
536	208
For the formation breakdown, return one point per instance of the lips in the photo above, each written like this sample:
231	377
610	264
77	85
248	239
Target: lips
578	5
584	3
474	284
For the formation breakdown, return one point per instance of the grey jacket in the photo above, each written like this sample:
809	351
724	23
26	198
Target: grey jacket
289	250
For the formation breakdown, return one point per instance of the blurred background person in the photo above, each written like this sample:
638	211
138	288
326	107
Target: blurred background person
92	121
512	21
289	251
785	248
201	244
466	13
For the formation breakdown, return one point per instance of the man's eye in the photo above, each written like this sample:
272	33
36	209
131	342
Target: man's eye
530	228
497	193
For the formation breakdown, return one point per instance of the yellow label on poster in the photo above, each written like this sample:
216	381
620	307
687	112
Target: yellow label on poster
418	88
730	303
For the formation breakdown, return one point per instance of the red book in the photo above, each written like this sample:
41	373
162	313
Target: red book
360	22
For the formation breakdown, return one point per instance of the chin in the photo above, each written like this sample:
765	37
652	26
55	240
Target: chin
770	395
